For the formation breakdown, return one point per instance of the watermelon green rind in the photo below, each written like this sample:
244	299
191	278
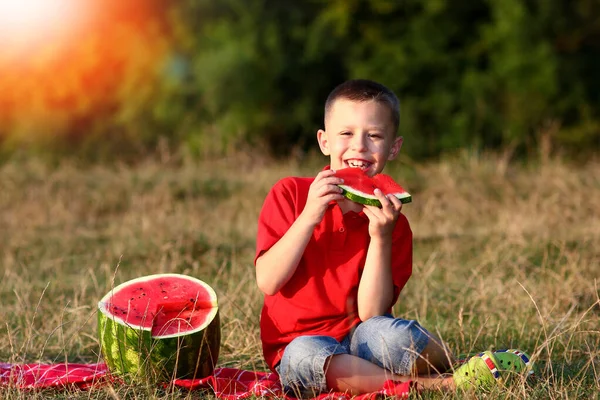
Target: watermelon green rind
369	199
134	355
131	352
125	350
189	356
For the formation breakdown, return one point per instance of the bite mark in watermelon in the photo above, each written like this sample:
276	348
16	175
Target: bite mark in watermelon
359	187
161	327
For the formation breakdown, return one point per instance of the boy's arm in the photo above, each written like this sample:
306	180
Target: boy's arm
376	287
276	266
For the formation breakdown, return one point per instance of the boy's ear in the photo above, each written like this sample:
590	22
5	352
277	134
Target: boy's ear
396	146
323	142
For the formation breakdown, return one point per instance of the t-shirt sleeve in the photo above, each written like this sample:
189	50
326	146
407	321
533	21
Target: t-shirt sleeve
278	213
402	251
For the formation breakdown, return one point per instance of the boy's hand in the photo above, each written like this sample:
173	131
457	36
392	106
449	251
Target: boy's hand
383	220
323	190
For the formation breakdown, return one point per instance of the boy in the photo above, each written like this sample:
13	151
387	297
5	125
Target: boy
331	269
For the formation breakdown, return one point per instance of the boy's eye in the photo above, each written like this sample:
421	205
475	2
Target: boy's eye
375	135
345	133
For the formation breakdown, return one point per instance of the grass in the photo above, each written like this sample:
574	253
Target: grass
505	255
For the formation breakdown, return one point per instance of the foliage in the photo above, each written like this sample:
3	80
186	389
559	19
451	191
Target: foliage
216	76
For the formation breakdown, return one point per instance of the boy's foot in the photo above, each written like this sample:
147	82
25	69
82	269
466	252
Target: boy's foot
480	371
513	360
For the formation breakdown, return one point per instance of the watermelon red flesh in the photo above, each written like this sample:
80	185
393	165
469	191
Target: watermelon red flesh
168	305
163	318
360	187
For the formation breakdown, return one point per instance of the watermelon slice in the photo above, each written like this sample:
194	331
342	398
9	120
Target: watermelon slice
359	187
160	327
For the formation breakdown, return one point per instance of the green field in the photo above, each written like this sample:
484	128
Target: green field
505	256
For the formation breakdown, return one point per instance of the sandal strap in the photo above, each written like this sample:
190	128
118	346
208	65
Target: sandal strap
491	365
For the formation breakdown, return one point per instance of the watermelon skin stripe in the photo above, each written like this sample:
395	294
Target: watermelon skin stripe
134	355
125	349
370	200
189	356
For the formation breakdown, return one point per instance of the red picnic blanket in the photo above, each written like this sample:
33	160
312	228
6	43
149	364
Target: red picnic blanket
226	383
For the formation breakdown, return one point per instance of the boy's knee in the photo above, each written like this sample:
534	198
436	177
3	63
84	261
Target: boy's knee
302	367
392	343
309	345
306	352
386	326
370	328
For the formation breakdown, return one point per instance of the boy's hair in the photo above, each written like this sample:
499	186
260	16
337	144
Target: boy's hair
365	90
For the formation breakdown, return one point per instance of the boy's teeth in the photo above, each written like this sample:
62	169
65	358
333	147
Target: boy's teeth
355	164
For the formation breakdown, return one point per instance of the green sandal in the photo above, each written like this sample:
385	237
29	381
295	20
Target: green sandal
515	361
479	372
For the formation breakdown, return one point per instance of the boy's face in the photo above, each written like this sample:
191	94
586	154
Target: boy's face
359	135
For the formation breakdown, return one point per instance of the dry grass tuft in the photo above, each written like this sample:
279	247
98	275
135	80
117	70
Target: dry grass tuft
505	256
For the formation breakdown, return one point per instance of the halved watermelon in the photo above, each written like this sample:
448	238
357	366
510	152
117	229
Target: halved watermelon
359	187
161	327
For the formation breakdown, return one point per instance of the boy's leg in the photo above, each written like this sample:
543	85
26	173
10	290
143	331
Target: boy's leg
313	364
302	367
352	374
384	351
401	346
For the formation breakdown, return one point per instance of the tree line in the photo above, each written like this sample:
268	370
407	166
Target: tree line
216	76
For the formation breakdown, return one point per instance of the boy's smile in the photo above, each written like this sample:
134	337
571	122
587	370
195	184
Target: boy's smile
359	134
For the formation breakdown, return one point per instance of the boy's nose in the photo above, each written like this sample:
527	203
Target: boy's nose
359	143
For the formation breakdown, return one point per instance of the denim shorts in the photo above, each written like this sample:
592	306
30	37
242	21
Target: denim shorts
391	343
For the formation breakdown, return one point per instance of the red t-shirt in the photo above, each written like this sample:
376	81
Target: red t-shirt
320	298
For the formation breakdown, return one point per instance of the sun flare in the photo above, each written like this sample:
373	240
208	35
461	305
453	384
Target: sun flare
27	20
65	63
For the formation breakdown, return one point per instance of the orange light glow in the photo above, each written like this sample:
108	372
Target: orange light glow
32	21
66	63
